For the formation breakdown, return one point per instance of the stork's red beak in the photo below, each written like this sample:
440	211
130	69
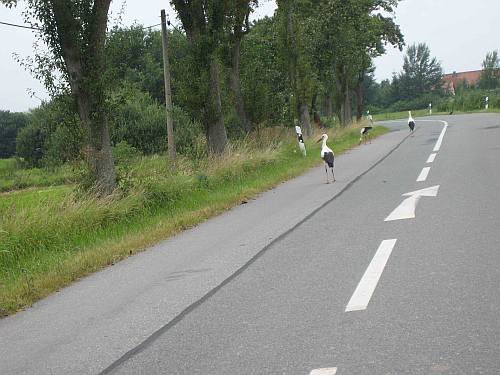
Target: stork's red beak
319	140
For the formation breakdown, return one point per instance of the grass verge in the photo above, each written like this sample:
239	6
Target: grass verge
425	113
47	242
404	115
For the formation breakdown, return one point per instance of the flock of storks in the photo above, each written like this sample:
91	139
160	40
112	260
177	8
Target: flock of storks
327	154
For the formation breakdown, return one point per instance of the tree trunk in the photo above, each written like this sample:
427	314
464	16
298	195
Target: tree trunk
98	144
100	156
236	85
329	103
344	96
84	68
214	121
347	108
305	119
314	109
360	104
204	25
292	57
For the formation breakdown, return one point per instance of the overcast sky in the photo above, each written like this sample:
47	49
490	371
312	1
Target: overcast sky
459	33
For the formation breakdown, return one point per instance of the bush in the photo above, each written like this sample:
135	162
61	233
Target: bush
475	100
123	152
29	145
140	122
53	135
63	145
421	102
189	138
329	122
10	124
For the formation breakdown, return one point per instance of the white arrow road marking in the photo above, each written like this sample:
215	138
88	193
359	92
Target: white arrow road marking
369	281
324	371
423	175
431	159
406	210
441	136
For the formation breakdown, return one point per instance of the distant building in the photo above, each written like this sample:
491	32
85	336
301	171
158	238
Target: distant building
453	80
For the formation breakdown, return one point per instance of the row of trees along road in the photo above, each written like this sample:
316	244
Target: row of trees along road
317	52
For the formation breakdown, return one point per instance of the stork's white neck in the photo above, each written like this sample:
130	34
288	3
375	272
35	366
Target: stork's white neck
324	142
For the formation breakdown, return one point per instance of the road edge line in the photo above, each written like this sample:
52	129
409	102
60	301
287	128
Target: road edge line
152	338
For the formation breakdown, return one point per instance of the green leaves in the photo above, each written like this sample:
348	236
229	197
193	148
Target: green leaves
9	3
421	72
490	77
10	124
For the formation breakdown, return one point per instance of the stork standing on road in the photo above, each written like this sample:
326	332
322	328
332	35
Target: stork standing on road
411	122
328	157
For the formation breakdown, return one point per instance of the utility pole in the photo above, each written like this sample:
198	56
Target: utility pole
168	92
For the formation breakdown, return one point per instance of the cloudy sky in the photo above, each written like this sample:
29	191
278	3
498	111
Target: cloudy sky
459	33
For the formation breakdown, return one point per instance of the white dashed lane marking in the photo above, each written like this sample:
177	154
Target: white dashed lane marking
431	159
369	281
324	371
423	175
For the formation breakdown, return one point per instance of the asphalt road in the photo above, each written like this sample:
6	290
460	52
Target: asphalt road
264	288
435	308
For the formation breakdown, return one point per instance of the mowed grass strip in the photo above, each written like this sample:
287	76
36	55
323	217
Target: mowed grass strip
52	238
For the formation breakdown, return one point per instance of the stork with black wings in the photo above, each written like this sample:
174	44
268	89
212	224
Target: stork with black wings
328	157
411	122
300	138
365	134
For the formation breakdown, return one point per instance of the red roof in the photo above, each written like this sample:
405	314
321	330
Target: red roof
450	81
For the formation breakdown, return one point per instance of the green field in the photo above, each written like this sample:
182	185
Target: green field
52	236
14	177
7	165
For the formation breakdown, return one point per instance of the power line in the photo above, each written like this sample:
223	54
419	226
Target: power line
149	27
20	26
38	29
134	27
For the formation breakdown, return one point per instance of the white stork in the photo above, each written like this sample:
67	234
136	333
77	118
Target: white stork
365	130
370	117
411	122
328	157
300	138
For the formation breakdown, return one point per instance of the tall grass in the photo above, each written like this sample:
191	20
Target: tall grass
49	240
